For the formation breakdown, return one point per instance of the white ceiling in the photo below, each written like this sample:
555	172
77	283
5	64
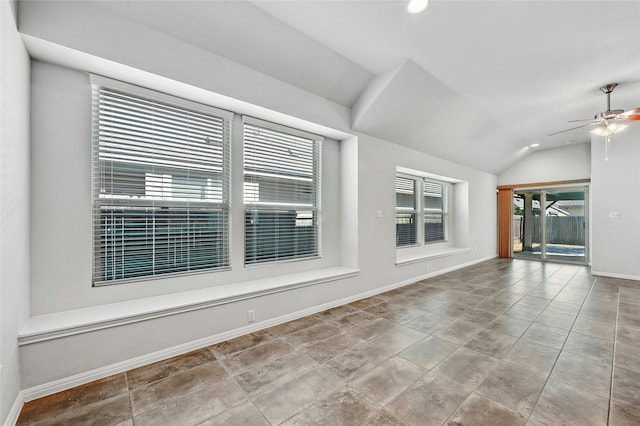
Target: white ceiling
474	82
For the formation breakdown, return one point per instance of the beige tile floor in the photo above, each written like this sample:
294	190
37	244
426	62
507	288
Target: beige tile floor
504	342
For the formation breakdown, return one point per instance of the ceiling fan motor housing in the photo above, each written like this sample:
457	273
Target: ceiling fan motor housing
608	115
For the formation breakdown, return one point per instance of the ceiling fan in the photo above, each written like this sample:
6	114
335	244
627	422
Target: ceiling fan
609	121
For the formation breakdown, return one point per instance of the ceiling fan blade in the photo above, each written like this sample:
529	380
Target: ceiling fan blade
632	114
577	121
573	128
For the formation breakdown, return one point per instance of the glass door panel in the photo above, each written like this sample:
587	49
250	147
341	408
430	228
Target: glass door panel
565	225
527	224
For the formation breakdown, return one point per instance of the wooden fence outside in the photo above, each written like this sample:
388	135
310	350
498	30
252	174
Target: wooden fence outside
560	229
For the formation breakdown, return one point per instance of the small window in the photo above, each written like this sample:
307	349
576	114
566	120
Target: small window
421	220
160	185
281	193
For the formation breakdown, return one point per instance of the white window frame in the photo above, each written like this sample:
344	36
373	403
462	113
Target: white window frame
308	212
160	190
420	212
443	211
404	213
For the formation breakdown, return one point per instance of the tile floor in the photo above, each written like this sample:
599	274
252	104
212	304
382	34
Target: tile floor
504	342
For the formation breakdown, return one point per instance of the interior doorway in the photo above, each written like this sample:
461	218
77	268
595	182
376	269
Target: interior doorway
551	224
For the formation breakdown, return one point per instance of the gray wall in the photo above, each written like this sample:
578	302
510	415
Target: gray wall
14	203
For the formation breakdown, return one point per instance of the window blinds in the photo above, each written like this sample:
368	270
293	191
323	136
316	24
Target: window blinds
281	193
435	211
406	213
161	185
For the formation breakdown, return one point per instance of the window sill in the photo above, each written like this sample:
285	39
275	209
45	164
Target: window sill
406	259
61	324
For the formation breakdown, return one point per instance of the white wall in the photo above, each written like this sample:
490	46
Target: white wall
360	180
615	187
570	162
14	203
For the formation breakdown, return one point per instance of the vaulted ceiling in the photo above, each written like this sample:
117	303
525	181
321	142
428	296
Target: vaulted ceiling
474	82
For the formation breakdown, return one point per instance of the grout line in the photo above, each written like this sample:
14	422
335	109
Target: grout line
501	360
126	381
613	359
565	341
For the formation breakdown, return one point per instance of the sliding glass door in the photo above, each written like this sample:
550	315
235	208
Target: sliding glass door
550	224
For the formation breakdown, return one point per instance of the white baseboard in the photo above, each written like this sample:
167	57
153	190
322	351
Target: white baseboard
615	275
12	418
120	367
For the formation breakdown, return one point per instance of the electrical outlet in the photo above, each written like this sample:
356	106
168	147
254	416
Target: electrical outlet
614	215
251	315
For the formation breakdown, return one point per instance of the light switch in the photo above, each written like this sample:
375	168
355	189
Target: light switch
379	214
614	215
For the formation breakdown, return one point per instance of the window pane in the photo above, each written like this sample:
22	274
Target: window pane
434	229
275	235
435	214
160	187
406	229
405	193
406	223
281	178
137	242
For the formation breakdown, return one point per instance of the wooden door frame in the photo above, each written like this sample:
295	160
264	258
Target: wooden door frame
505	222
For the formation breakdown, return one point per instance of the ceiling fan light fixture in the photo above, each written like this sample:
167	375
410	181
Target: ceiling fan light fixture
608	129
417	6
601	130
616	127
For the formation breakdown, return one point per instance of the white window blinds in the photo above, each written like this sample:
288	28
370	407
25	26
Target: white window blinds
160	184
281	192
406	211
435	211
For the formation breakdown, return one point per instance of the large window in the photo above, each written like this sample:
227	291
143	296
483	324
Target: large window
281	192
160	184
421	219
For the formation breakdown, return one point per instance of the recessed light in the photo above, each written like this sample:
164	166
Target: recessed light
417	6
534	145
